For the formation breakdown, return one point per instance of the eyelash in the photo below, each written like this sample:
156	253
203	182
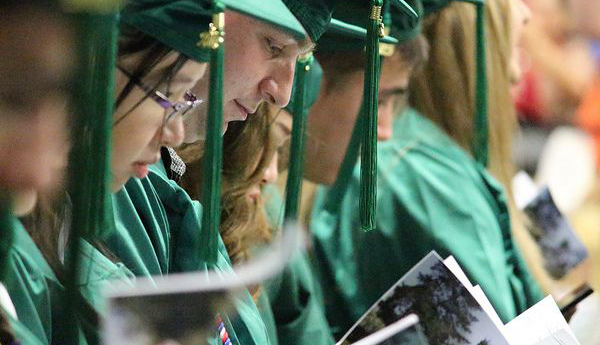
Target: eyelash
273	49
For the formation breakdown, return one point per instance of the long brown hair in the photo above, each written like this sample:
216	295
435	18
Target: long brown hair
248	148
444	91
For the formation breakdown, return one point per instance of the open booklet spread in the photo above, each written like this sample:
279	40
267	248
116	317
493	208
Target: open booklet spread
452	311
447	311
184	307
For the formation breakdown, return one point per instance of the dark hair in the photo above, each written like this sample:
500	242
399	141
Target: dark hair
133	41
337	66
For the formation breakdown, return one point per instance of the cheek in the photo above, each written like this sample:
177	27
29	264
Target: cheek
32	161
136	134
245	67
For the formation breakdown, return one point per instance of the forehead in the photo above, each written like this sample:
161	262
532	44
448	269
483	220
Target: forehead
26	53
246	24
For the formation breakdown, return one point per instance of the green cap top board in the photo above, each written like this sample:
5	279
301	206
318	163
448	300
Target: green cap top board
315	15
179	24
405	25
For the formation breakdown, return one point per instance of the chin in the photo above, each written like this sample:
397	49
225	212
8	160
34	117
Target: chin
117	183
225	126
515	75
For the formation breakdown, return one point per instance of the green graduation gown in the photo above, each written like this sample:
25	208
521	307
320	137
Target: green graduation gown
294	295
21	332
32	285
96	271
432	195
158	231
38	296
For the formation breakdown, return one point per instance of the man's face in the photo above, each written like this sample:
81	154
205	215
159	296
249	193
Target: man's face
393	86
333	116
259	66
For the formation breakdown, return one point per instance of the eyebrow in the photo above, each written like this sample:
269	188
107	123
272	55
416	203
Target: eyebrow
306	46
394	91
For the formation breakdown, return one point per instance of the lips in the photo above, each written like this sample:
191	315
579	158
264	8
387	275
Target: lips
244	112
141	169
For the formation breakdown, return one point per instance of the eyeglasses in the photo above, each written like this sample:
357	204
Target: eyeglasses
190	101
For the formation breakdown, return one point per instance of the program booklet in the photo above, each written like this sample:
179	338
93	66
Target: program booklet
453	311
189	308
447	311
560	247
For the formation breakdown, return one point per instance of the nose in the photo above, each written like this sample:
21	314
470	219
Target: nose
277	87
173	132
384	124
271	173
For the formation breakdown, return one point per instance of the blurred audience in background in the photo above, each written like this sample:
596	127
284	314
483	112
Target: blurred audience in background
558	103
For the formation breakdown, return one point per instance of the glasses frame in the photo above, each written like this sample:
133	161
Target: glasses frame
178	108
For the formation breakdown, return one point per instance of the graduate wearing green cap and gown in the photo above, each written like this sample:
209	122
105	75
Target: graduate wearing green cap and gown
158	225
432	195
294	296
36	293
178	206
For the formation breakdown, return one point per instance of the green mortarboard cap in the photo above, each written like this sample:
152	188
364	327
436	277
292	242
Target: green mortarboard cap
314	15
274	12
339	28
403	27
349	33
177	24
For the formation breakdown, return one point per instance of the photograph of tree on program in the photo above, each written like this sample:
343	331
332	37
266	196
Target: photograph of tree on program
448	313
561	249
